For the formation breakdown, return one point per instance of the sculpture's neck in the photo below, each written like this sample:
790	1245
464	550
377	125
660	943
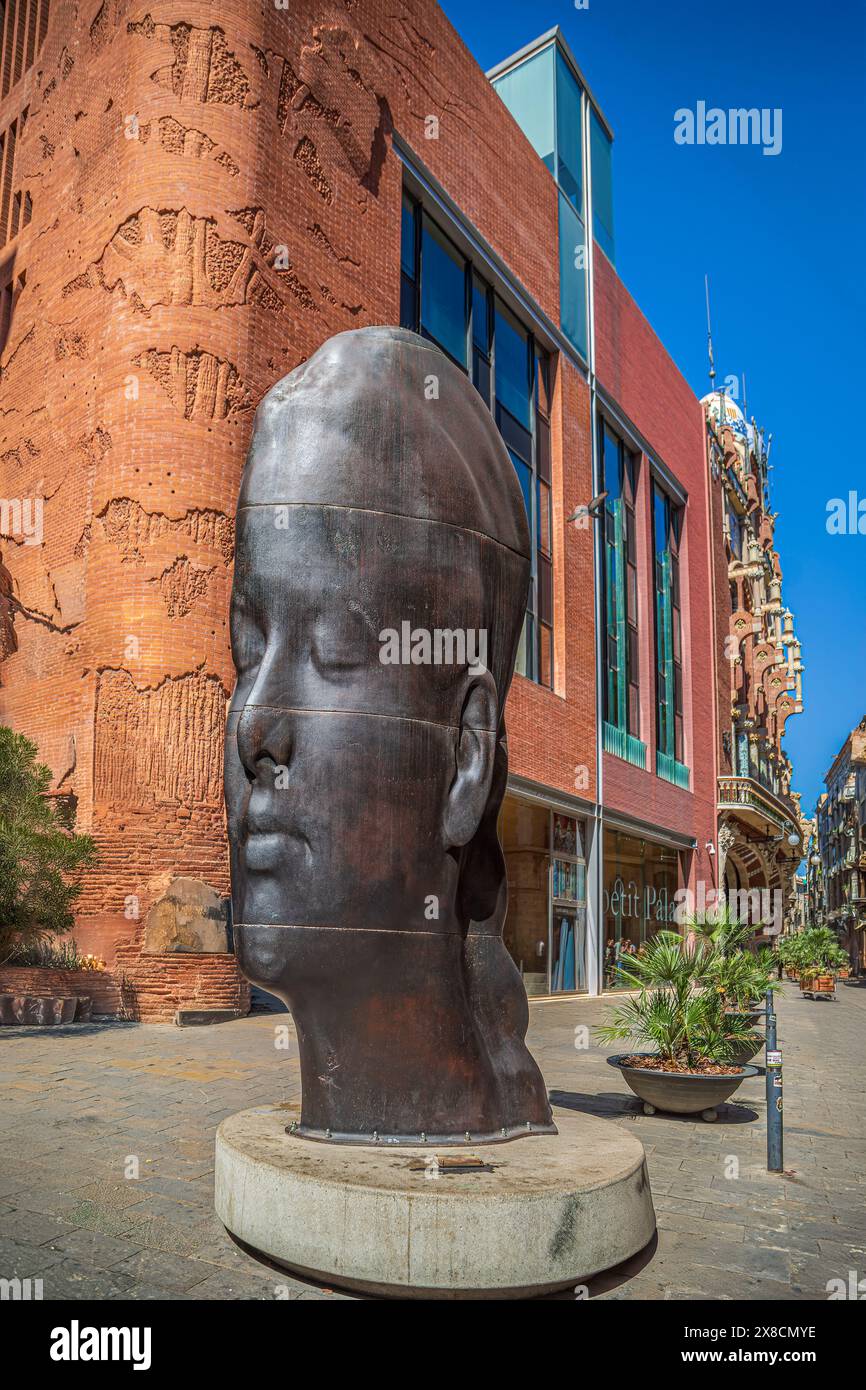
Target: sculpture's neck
404	1046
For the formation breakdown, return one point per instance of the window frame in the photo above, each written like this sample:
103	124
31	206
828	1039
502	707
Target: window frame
620	565
667	592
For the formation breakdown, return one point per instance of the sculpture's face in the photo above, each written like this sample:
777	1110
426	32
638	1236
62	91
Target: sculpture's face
340	763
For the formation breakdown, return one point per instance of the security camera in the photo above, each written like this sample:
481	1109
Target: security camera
710	847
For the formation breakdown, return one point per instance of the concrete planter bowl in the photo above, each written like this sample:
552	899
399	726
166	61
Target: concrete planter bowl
680	1093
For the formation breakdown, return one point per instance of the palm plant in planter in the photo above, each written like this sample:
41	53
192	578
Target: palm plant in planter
680	1013
820	956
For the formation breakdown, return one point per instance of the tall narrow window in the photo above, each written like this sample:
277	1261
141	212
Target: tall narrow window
667	526
622	672
544	528
443	297
443	292
513	415
602	185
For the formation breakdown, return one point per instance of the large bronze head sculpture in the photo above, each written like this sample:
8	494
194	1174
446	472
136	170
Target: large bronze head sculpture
380	582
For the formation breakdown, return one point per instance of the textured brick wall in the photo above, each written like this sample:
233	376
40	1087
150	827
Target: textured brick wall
154	315
102	988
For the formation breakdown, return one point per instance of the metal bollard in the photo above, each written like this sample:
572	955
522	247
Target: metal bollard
773	1080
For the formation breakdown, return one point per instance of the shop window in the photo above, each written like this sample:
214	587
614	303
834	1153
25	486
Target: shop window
545	926
639	897
446	299
667	529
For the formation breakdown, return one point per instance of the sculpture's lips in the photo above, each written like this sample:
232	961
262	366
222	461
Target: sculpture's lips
266	846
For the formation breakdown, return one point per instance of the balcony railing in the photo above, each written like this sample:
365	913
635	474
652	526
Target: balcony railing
745	793
623	745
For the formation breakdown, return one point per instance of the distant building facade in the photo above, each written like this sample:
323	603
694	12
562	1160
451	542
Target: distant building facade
841	844
759	669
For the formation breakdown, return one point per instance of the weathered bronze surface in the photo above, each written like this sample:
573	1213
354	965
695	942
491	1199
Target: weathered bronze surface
368	881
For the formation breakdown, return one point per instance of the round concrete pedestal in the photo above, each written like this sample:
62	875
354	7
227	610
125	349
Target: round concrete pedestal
546	1212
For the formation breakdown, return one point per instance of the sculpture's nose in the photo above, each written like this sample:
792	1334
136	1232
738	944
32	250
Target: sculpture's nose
265	739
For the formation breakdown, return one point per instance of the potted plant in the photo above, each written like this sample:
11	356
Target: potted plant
680	1014
819	955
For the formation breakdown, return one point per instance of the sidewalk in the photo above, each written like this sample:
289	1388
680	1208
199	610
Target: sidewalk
86	1108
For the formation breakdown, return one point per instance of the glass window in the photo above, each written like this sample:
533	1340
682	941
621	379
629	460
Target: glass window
621	686
667	522
572	275
602	185
527	91
638	899
443	292
512	367
569	162
409	266
444	297
482	337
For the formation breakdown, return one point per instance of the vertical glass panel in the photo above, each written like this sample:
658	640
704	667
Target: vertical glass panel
512	366
407	239
443	292
602	186
408	304
542	382
481	375
611	449
527	91
572	275
568	133
480	315
524	475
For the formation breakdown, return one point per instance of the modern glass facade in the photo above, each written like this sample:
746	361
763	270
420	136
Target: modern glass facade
543	92
445	298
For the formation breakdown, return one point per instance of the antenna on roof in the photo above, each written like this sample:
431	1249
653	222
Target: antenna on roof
745	400
709	334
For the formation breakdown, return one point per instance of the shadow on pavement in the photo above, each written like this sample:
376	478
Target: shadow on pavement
608	1104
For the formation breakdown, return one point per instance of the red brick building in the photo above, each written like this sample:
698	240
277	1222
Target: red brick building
193	201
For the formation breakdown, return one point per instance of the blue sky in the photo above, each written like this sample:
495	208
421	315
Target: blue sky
783	239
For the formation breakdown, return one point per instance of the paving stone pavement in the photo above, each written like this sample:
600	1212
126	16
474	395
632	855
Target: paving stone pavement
107	1136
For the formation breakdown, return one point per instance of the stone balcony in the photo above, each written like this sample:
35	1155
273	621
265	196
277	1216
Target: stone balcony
757	806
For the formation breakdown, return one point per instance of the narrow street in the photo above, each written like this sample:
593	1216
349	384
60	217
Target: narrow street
106	1158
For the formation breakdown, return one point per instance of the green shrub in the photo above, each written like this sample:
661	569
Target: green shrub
40	853
679	1012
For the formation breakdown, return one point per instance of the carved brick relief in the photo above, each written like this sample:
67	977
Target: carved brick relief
139	759
198	384
128	526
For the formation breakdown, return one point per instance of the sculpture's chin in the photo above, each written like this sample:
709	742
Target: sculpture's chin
390	1025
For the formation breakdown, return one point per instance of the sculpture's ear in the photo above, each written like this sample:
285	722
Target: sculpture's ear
475	756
